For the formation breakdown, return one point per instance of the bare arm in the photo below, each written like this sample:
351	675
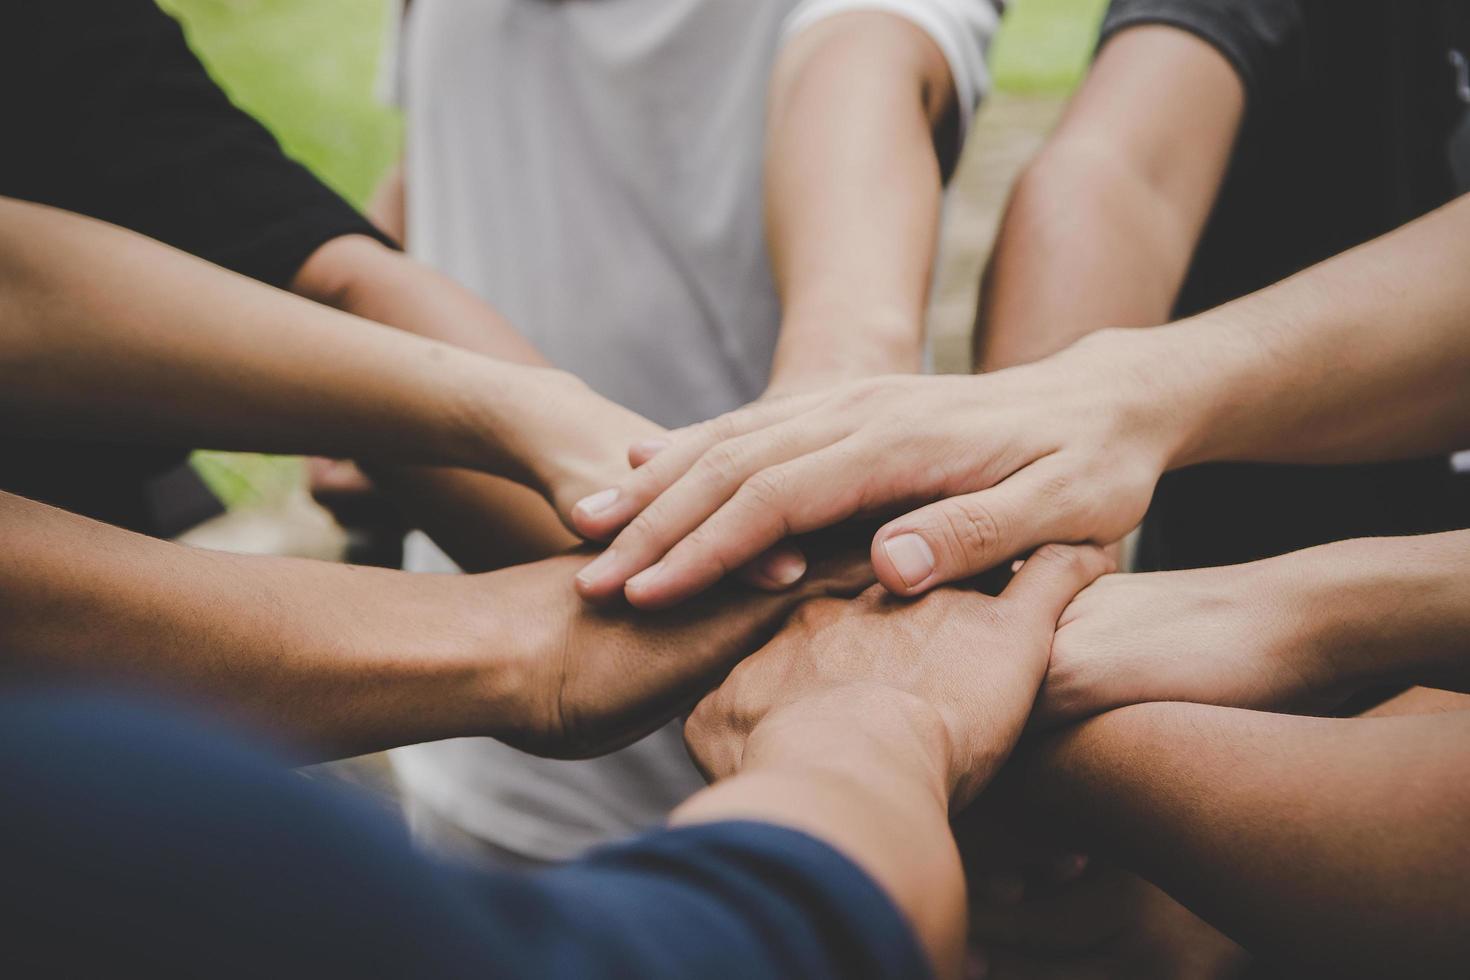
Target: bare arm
336	659
1330	845
481	521
1306	630
115	336
1100	228
852	185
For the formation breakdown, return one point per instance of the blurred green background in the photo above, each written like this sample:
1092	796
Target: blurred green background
310	70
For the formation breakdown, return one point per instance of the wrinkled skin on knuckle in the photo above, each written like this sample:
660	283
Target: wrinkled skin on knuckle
971	532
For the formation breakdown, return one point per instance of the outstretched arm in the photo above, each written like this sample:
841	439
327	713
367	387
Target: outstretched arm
113	335
1302	631
1334	846
340	660
862	104
1360	358
1100	227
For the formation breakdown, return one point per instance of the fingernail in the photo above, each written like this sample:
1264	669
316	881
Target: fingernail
646	577
783	567
597	502
650	447
593	572
911	557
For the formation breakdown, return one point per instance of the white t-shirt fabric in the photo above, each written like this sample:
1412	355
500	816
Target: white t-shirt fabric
592	168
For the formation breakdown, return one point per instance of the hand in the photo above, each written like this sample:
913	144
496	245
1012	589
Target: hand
1241	635
566	440
592	679
962	665
1068	449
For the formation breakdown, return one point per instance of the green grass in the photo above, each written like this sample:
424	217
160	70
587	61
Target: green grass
308	69
1044	45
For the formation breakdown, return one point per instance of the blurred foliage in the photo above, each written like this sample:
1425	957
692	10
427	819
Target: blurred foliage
1045	45
308	69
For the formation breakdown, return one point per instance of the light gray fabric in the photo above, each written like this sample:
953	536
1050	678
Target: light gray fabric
592	169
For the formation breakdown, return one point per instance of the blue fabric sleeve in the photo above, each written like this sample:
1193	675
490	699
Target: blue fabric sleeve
139	843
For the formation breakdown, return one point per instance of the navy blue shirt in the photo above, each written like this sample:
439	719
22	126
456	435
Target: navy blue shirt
138	844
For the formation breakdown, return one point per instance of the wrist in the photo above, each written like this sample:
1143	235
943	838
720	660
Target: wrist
859	731
1159	387
1387	609
825	344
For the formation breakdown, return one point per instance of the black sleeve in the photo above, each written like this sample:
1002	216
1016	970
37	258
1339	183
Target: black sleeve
1253	35
111	115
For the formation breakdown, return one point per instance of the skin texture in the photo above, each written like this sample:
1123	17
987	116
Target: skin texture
1271	827
856	104
1302	631
1068	448
1100	227
340	660
111	335
865	722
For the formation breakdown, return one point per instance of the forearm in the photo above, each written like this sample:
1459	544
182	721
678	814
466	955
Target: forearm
115	336
1086	243
1280	830
334	660
1361	358
852	195
480	521
1100	229
1384	612
870	790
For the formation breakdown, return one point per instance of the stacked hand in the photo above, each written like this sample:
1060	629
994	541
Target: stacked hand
1068	449
961	667
588	680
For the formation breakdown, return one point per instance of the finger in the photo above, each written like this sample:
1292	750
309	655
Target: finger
777	570
961	536
641	452
804	494
1051	578
707	485
600	515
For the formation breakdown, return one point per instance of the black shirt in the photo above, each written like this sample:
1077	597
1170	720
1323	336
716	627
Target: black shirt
108	113
1350	110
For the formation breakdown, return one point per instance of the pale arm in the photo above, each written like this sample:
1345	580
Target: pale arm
852	195
1101	226
1330	845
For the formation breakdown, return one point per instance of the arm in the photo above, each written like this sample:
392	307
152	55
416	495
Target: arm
1101	225
116	336
342	660
1360	358
852	194
863	723
481	521
1304	630
1334	846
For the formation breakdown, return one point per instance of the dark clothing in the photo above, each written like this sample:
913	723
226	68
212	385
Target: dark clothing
136	844
109	114
1350	110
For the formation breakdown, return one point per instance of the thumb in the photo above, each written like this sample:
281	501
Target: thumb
1051	578
959	537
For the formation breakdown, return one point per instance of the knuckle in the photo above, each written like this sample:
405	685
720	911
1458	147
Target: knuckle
972	529
721	465
766	489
